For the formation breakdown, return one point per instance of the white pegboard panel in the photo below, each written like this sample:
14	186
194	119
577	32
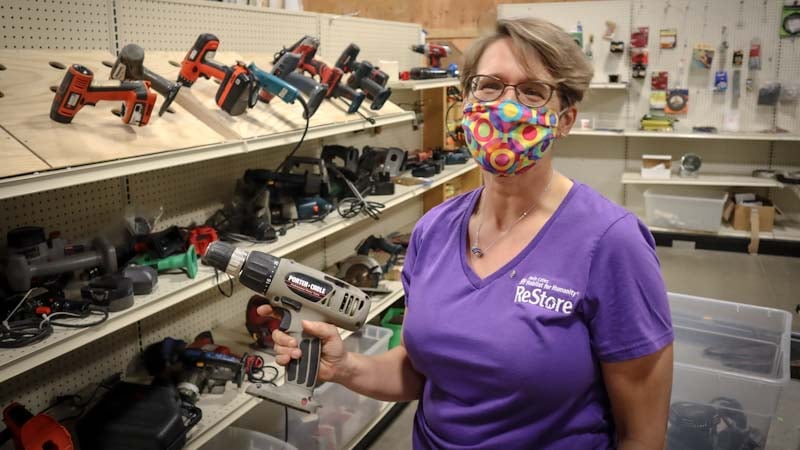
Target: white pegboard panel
191	193
788	115
593	16
702	22
400	135
80	211
73	371
598	163
197	314
56	24
377	39
343	244
173	25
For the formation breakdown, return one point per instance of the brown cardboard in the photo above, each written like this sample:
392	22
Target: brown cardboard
741	217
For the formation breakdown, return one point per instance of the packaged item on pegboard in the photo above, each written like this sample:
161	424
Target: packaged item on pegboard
721	81
769	93
754	63
639	37
702	56
658	99
639	59
790	92
668	38
659	81
738	58
677	101
790	19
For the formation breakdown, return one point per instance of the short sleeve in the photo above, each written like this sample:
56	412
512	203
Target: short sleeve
627	308
408	263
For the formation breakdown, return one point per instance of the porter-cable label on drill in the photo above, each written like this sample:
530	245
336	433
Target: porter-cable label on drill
307	287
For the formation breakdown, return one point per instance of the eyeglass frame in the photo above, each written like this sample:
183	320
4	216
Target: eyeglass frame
470	91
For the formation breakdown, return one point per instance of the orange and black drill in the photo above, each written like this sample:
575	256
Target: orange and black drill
307	48
78	88
238	89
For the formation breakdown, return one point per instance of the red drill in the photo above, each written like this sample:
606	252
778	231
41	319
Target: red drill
78	89
434	52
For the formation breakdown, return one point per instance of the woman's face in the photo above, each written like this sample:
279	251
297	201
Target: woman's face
498	60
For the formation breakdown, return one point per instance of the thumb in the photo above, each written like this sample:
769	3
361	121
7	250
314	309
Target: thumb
322	330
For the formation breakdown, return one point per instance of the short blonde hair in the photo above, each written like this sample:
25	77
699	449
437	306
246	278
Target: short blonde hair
562	58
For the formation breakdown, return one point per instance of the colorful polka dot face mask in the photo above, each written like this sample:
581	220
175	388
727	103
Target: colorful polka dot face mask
506	137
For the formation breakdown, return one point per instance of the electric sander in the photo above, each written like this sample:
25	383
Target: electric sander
298	293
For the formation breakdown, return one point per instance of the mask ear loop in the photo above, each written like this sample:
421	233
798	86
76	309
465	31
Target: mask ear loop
559	134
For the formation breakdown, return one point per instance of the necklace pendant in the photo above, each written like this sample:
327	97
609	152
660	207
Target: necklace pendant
476	251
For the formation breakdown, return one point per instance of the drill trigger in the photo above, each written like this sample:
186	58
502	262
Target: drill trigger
286	318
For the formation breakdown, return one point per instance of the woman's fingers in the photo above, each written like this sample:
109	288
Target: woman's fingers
264	311
281	338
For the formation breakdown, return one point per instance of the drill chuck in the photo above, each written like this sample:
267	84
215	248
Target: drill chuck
255	270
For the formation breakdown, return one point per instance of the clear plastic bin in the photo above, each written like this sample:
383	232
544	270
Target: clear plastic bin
682	208
343	413
729	351
233	438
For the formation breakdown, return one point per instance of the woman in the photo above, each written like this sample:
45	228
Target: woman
536	316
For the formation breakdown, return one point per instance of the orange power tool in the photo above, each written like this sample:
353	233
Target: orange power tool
31	432
78	88
238	89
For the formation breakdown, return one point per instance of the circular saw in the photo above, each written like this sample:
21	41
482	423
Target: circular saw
362	271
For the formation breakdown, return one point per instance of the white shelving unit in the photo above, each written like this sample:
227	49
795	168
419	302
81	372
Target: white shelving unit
609	86
742	136
420	85
704	180
173	289
219	413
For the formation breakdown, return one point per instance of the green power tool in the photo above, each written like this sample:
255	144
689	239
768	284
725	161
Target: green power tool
186	261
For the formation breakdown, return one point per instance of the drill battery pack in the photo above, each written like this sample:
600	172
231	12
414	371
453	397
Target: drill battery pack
137	417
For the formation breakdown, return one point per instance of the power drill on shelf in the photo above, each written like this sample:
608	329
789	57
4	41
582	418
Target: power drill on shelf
298	293
434	52
78	88
238	89
365	76
307	48
284	68
129	65
31	432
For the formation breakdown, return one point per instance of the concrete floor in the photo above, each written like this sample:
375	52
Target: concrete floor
771	281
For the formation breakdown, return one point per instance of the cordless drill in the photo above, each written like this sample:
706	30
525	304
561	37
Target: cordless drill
434	52
238	89
130	66
78	88
284	68
298	293
33	432
332	76
371	80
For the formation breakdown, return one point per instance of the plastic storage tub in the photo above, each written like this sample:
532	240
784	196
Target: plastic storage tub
690	209
343	413
729	358
233	438
397	329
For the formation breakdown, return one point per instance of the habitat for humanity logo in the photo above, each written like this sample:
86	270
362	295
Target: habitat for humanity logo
538	291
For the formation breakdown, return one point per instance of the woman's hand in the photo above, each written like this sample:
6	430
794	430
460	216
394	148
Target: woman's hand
334	356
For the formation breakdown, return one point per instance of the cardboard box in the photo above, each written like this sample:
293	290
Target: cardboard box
740	219
656	166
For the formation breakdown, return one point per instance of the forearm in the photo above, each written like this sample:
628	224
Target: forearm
632	444
388	376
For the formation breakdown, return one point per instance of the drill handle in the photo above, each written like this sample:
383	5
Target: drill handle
303	372
273	85
313	90
354	96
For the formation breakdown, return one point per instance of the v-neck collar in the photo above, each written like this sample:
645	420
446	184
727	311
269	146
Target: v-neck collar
479	282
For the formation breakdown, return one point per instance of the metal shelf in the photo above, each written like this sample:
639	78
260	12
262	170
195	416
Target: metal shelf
785	229
703	180
743	136
217	415
70	176
609	86
419	85
173	289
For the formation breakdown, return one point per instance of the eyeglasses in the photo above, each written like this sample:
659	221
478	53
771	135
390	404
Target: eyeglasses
532	94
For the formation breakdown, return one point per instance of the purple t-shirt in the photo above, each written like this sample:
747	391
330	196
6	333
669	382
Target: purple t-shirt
512	361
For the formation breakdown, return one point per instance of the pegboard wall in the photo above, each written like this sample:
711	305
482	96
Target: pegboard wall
377	39
696	22
174	25
56	24
566	15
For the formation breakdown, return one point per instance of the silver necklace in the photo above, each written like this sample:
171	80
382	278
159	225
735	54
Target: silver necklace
478	251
